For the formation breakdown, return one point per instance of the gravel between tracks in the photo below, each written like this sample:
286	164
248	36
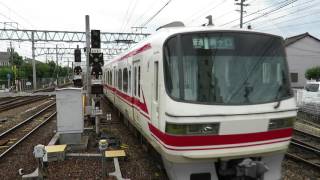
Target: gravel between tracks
293	170
16	115
21	156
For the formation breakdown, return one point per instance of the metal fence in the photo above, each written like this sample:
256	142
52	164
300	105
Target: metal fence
26	85
308	104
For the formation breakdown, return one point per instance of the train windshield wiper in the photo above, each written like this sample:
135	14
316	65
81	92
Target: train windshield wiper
277	97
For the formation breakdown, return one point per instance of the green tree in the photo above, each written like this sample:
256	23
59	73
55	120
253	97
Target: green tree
17	59
313	73
4	71
42	70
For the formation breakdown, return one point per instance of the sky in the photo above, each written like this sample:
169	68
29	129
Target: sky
295	17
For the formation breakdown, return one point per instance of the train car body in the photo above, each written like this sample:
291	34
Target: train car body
215	103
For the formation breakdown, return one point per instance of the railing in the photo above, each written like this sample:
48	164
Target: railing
25	85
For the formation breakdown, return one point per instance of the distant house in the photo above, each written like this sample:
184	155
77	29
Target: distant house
4	59
303	52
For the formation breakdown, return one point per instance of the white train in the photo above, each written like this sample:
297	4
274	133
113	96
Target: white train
215	103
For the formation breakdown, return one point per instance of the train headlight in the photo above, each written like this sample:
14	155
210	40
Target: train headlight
192	129
281	123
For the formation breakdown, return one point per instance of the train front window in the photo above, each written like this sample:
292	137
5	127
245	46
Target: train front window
226	68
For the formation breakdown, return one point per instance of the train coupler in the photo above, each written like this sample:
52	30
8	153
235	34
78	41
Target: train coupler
251	168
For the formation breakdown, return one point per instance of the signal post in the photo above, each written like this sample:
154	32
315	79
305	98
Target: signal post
96	62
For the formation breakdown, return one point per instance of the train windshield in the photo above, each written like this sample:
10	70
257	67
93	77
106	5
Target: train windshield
226	68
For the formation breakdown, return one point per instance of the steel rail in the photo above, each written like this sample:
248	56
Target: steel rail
17	104
306	133
290	155
310	123
10	100
306	146
27	120
27	135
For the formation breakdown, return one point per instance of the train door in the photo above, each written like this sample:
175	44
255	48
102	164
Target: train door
136	89
155	95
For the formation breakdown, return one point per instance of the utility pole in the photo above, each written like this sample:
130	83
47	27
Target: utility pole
87	58
33	63
241	4
57	66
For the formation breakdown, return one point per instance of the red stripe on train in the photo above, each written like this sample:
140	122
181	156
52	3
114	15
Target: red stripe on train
135	52
132	100
181	141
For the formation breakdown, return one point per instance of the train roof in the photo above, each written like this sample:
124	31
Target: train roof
162	34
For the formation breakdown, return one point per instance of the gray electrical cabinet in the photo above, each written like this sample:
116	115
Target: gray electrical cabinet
69	111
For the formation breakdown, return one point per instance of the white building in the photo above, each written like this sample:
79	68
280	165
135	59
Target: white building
303	52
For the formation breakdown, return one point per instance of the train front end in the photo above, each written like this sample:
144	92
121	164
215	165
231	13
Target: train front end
228	108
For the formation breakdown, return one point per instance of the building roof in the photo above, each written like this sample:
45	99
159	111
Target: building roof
293	39
4	56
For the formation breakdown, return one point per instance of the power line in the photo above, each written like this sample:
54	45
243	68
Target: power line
271	11
301	9
293	19
293	26
256	12
152	17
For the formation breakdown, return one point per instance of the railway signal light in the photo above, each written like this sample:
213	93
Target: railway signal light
96	71
77	55
95	39
96	59
77	70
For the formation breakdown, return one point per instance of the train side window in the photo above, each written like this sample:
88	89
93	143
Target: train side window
120	79
156	80
110	77
116	78
135	81
107	77
139	74
125	80
129	82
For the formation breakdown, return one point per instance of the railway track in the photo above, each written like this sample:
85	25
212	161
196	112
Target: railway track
13	136
9	99
305	147
10	104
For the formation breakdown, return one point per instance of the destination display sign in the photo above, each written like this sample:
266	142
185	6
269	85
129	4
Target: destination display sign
213	42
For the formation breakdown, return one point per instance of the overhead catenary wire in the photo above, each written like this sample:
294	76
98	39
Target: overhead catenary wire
152	17
125	16
144	13
130	14
206	12
198	11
